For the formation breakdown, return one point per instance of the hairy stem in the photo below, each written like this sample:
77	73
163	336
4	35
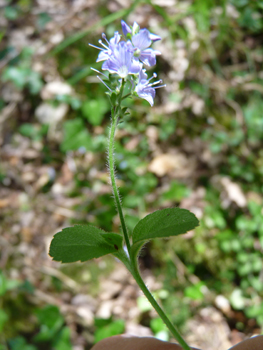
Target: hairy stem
114	123
158	309
128	261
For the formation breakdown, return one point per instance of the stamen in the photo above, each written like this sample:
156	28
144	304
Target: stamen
102	44
97	71
160	86
105	38
104	83
156	82
150	79
154	76
96	47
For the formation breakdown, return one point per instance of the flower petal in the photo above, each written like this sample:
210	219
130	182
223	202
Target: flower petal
125	28
135	67
115	39
142	40
103	55
121	60
143	76
148	94
154	37
110	65
148	57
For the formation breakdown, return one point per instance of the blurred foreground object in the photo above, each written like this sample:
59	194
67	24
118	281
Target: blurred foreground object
126	342
145	343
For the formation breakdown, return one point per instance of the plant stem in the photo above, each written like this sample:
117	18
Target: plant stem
158	309
114	124
128	262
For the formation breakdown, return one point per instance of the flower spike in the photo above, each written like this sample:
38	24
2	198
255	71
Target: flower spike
125	60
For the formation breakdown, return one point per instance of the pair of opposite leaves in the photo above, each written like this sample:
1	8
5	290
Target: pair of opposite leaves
85	242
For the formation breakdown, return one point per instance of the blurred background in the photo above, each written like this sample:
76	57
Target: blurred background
199	147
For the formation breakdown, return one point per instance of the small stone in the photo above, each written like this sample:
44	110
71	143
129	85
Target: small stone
54	88
223	304
48	114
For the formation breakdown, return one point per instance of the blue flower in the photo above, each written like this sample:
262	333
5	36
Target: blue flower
141	43
141	40
125	28
146	90
107	51
135	29
121	61
126	59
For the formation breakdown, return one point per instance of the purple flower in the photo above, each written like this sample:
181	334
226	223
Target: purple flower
107	51
141	40
125	58
121	61
125	28
154	37
141	43
146	90
135	29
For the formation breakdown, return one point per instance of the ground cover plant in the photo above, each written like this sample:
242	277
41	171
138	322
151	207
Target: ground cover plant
198	147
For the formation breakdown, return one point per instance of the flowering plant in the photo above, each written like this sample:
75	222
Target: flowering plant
124	61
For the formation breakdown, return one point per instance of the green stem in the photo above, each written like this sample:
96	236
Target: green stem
114	124
123	98
126	259
158	309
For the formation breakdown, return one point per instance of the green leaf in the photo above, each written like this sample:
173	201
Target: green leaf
3	318
195	292
22	77
7	284
124	111
114	239
114	328
17	75
143	304
176	192
20	343
42	19
113	98
82	243
62	340
164	223
11	13
51	321
94	110
75	136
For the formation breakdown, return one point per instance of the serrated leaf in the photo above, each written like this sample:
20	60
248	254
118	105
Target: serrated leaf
82	243
114	239
164	223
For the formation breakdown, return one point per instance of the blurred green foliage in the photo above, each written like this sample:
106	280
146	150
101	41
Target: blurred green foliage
107	328
51	330
20	73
